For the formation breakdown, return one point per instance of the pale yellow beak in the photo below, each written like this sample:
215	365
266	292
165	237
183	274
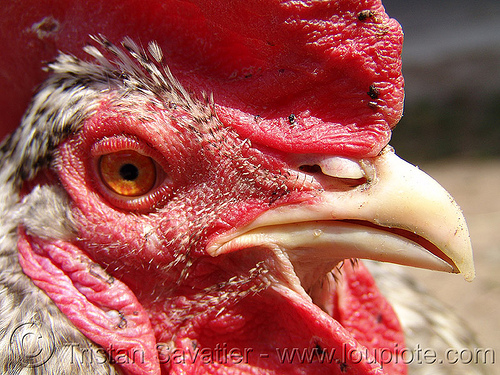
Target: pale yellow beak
393	212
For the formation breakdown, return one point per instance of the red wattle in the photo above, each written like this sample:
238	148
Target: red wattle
371	320
274	330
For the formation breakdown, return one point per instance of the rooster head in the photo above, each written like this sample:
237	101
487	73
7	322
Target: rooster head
195	199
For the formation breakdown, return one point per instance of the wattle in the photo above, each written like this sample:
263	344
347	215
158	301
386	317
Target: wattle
268	331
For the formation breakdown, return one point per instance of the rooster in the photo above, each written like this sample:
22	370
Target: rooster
198	204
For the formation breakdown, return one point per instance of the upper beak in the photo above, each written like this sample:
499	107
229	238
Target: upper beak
393	212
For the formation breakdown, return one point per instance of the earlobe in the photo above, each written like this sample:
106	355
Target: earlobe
103	308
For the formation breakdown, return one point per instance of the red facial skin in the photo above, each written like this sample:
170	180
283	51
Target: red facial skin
145	260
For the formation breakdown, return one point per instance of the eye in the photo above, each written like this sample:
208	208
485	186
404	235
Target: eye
128	173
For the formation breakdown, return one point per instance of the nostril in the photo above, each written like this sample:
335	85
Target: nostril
315	168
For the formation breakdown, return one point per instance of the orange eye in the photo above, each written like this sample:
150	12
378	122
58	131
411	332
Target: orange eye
128	173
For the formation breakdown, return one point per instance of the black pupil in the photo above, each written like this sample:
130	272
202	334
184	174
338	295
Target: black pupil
129	172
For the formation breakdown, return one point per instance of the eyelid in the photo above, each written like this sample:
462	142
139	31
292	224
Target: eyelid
118	143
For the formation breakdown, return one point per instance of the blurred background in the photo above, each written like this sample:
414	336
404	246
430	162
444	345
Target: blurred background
451	130
451	65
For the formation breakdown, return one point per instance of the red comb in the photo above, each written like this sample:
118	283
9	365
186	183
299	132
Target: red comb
308	76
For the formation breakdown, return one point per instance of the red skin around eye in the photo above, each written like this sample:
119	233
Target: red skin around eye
103	152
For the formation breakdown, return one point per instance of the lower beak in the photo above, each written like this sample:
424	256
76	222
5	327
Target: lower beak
396	213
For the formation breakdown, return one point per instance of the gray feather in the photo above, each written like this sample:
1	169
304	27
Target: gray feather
428	324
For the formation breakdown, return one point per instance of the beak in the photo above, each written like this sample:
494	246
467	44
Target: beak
388	211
